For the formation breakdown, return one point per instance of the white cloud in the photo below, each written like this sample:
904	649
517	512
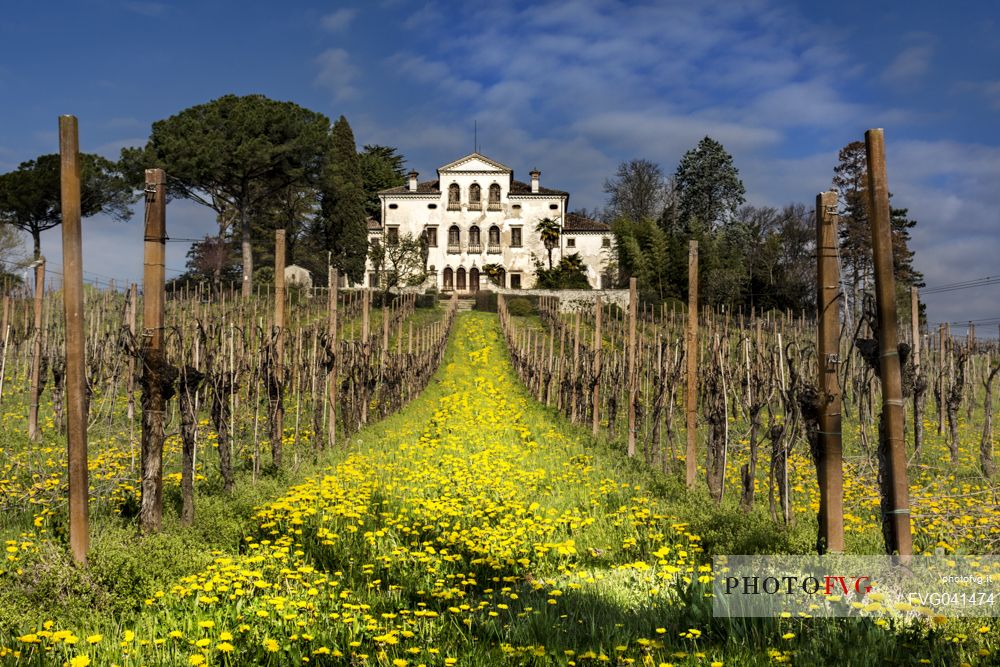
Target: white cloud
909	65
989	90
337	74
339	20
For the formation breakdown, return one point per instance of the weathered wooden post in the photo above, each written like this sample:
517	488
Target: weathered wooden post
829	458
633	382
691	350
34	433
895	507
277	390
598	340
76	373
331	334
915	325
153	358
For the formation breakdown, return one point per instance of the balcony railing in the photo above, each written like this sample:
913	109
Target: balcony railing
493	206
475	205
454	248
493	249
475	249
454	206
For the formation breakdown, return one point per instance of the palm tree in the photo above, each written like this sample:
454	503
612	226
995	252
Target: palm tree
548	229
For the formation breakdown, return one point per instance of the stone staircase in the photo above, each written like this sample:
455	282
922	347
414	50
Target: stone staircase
465	304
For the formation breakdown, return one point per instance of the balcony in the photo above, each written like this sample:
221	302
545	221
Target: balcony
454	206
475	249
493	206
493	249
454	248
475	206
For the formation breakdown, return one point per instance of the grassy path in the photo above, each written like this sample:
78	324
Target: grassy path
473	528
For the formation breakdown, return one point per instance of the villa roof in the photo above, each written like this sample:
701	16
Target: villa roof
578	223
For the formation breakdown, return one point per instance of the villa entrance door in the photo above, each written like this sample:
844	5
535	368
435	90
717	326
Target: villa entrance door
473	279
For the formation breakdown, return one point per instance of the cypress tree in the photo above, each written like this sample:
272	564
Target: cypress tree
343	205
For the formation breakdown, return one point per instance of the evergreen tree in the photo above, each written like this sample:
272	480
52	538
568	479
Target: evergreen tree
30	195
708	184
381	168
234	155
344	224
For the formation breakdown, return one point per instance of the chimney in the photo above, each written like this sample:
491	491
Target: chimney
413	181
534	180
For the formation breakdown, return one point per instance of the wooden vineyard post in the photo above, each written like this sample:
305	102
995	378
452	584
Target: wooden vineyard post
331	334
76	373
892	459
691	350
130	380
36	352
596	397
633	383
5	328
829	458
154	361
576	365
942	362
915	326
277	398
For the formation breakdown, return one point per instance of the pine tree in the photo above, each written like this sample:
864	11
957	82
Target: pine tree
708	184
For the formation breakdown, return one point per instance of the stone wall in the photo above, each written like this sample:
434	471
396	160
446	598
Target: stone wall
571	300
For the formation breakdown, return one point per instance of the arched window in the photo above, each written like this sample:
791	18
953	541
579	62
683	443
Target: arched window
454	197
494	197
494	240
460	279
473	279
474	241
454	239
448	285
502	278
475	197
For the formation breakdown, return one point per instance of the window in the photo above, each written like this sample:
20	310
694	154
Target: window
553	207
474	239
431	234
494	197
460	279
393	206
373	279
473	279
448	284
570	243
606	242
454	196
605	281
515	239
392	235
432	206
454	239
494	240
515	281
475	199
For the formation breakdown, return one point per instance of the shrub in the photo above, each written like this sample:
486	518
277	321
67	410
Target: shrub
486	302
521	307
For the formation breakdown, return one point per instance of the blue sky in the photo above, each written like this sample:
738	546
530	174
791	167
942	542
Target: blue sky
572	88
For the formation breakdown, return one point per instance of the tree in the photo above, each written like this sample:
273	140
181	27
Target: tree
708	185
549	231
212	259
30	197
850	179
638	191
570	273
402	263
11	258
343	226
381	168
234	154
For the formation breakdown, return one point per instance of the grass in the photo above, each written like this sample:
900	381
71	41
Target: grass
476	527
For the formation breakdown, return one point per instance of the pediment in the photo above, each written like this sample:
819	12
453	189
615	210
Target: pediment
474	162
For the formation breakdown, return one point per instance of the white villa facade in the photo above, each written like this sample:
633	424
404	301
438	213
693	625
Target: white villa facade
475	214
